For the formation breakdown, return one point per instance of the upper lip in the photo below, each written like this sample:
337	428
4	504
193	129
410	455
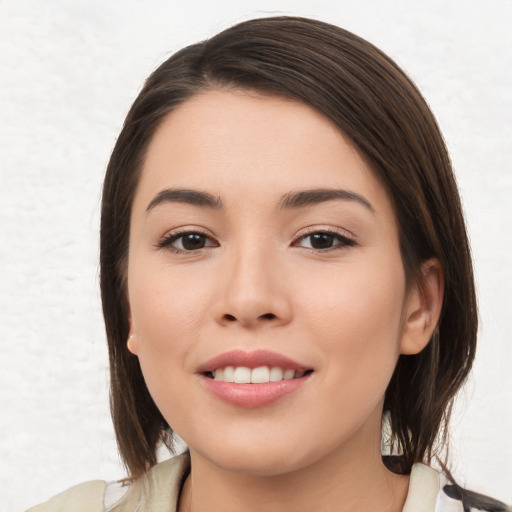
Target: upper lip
251	359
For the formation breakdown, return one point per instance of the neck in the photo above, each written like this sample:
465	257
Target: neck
354	479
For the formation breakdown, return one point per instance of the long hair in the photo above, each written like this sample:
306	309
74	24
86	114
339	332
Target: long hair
377	106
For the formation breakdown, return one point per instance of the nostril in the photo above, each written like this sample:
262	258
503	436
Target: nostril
232	318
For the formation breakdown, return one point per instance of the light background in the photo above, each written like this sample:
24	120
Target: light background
69	71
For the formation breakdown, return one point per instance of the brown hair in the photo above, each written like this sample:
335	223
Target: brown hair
373	102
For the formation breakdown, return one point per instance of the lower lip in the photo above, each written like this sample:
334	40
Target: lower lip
252	395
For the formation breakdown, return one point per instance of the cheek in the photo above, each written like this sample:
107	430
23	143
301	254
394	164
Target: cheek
358	318
163	297
166	308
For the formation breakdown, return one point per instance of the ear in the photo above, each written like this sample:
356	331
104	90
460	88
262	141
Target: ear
423	308
132	342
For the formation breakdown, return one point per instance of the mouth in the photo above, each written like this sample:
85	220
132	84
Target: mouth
258	375
253	379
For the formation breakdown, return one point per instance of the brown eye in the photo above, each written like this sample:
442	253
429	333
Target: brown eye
193	241
324	240
187	242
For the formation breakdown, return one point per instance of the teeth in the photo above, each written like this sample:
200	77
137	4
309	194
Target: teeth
288	374
242	375
276	374
260	375
229	374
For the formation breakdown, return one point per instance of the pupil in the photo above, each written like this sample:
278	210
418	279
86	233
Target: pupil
321	241
193	241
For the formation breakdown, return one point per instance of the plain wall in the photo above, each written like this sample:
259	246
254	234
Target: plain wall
69	71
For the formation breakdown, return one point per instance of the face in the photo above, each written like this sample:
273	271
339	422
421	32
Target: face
263	247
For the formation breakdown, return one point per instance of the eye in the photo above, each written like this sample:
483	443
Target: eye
186	242
324	240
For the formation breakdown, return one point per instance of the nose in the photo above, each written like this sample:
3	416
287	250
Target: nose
252	293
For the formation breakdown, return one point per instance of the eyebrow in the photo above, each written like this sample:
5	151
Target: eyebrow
313	197
187	196
290	200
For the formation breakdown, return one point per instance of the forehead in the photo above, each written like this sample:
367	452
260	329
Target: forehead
244	142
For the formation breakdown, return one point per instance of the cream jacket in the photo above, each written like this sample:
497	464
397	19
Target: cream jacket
159	489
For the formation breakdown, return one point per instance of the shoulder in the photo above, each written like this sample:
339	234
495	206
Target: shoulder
453	497
430	491
84	497
158	488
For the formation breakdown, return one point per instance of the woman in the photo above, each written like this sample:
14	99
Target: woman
284	263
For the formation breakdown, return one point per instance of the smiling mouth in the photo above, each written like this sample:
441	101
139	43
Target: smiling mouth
259	375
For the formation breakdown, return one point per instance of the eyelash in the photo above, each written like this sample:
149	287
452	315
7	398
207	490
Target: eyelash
166	241
343	241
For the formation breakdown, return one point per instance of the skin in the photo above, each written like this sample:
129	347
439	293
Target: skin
345	312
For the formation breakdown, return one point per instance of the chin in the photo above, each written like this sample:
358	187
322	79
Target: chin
264	458
265	463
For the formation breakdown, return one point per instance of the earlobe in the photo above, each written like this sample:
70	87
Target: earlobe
131	342
131	345
424	304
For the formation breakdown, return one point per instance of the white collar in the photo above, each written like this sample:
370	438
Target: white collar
423	489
